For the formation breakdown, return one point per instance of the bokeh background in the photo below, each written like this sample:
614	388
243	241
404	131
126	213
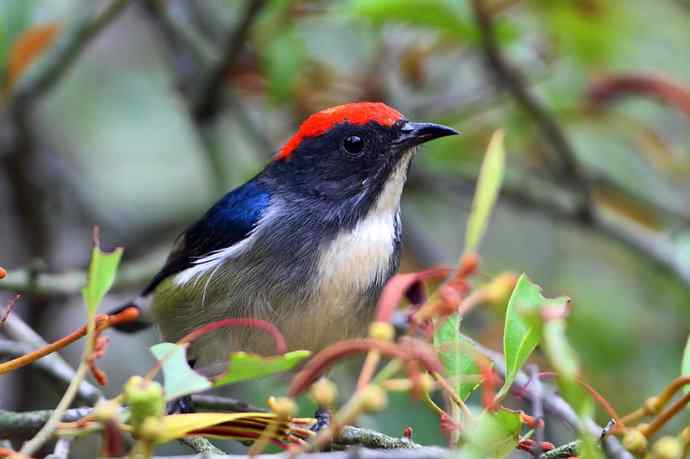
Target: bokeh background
173	102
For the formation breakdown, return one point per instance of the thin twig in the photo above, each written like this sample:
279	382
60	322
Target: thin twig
48	70
33	445
214	403
556	406
16	329
537	407
545	196
8	308
571	449
102	321
27	423
132	275
209	98
201	446
513	82
60	375
349	435
429	452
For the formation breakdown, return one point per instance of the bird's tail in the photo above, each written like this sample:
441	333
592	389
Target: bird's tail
141	323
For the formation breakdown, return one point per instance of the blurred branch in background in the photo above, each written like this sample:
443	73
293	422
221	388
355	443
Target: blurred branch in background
569	171
53	365
132	276
211	90
213	65
45	73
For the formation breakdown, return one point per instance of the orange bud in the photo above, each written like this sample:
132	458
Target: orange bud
27	47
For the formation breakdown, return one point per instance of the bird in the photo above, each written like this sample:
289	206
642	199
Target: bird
307	244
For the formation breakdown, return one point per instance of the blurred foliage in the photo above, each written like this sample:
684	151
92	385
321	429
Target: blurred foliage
117	147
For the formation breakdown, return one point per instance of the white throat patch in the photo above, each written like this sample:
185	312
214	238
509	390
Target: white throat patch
357	257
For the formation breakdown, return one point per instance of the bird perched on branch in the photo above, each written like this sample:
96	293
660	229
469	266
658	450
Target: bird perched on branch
307	244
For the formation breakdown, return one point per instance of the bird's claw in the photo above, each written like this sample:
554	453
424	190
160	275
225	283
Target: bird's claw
323	420
182	405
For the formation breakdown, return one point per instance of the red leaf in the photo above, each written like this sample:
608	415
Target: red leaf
613	87
399	285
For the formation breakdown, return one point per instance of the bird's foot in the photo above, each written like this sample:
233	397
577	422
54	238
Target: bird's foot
323	420
182	405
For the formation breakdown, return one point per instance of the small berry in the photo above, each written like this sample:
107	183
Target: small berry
382	330
635	442
373	399
324	392
667	448
283	407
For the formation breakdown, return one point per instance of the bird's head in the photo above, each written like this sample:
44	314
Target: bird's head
351	152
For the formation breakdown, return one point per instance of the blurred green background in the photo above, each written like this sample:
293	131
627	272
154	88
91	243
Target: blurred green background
116	142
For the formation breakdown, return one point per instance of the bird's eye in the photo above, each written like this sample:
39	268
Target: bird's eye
354	144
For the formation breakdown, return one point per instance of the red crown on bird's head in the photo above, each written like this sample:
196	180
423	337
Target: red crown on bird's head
354	113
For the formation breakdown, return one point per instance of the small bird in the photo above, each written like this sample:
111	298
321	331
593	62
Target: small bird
307	244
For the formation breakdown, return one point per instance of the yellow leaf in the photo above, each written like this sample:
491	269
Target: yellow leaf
178	425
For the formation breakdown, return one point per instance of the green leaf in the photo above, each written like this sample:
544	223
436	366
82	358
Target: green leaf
100	278
179	379
284	60
523	326
452	348
491	435
564	360
559	352
244	366
488	186
441	15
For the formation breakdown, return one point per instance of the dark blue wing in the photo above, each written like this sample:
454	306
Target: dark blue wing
226	223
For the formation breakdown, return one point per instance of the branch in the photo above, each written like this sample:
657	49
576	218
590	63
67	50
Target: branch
183	40
549	198
556	406
202	446
515	85
428	452
571	449
50	68
16	329
349	436
132	275
214	403
26	424
210	92
57	372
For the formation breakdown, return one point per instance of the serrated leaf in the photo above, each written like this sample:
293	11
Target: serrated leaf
488	187
179	425
178	377
100	278
492	435
244	366
452	348
523	326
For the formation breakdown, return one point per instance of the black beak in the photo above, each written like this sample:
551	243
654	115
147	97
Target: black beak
413	134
